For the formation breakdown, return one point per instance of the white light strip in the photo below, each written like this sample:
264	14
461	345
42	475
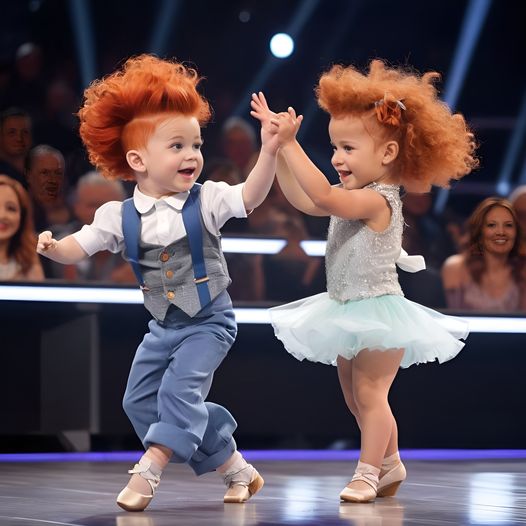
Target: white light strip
313	247
70	294
244	245
499	325
243	315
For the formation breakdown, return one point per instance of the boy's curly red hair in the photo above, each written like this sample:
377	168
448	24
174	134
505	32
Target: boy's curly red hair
122	110
436	146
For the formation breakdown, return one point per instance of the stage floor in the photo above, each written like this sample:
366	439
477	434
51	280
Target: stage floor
295	493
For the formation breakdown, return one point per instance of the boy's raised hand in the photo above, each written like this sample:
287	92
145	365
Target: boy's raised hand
267	118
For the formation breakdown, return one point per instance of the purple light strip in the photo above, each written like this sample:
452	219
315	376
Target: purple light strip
304	455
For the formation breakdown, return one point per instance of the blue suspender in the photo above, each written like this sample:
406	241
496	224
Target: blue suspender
194	231
131	227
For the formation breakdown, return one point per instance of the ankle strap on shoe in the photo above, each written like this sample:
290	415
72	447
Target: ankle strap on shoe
367	474
240	477
144	469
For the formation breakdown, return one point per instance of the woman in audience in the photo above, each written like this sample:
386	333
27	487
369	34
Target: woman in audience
490	275
18	259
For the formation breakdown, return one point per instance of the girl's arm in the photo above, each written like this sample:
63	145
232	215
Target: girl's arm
66	251
289	185
260	179
347	204
294	192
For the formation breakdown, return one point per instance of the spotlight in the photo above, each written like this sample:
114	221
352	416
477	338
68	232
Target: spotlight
281	45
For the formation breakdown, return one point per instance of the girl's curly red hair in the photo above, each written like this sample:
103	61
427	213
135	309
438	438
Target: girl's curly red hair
436	146
121	111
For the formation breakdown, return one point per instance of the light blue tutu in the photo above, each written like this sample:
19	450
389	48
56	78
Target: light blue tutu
320	329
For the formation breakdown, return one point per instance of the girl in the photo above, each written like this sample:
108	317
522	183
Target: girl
18	260
387	129
143	123
490	274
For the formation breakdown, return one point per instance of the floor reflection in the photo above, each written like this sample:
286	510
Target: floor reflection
382	512
491	498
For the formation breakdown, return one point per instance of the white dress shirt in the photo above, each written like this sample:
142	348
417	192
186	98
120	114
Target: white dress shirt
161	219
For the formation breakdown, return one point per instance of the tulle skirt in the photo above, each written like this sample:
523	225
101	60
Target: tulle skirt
320	329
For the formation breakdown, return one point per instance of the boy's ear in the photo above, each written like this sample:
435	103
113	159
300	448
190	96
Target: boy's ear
390	152
135	161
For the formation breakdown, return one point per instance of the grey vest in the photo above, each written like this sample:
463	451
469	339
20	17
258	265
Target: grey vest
169	276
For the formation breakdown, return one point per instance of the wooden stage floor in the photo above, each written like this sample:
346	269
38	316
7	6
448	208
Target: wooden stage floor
296	493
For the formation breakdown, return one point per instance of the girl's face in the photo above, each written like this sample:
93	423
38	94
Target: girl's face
357	158
10	213
172	157
499	231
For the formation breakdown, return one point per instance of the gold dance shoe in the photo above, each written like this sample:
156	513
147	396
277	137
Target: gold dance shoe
131	500
242	484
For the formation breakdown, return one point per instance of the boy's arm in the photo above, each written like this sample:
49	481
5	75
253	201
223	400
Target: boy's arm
260	179
65	251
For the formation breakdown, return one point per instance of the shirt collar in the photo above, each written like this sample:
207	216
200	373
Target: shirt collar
144	203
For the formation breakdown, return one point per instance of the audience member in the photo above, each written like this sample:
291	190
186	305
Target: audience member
93	190
28	85
490	275
18	258
239	144
45	179
15	142
518	201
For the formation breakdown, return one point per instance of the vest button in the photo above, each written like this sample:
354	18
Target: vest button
169	274
170	295
164	257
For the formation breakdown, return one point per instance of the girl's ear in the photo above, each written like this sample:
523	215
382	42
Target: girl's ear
135	161
391	150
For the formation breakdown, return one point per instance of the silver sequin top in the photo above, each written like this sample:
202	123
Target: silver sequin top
360	262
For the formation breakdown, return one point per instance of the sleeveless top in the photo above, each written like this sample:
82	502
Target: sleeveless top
472	296
360	263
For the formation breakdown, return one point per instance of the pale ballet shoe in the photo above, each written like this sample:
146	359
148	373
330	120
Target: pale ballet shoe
131	500
390	482
242	484
363	473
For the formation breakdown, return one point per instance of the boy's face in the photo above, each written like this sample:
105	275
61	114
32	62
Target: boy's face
172	157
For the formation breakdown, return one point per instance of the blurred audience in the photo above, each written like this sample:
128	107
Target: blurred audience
424	233
291	273
239	144
45	179
18	257
246	270
15	142
28	85
490	274
92	191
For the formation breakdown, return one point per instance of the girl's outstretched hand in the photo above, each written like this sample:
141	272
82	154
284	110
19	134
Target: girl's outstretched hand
267	118
288	125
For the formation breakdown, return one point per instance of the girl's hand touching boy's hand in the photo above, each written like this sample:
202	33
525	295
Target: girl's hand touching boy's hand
266	117
46	242
288	125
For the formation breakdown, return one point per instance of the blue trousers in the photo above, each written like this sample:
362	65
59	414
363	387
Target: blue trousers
170	378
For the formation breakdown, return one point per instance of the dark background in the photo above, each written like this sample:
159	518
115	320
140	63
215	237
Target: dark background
231	54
